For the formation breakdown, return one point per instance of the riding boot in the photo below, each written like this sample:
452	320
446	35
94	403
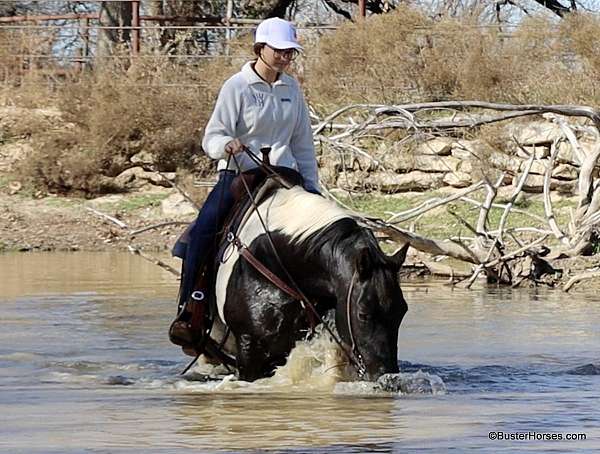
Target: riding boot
192	320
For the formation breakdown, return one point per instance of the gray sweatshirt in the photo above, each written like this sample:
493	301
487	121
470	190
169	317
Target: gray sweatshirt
263	115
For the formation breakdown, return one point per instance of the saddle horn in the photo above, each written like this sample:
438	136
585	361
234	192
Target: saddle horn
265	155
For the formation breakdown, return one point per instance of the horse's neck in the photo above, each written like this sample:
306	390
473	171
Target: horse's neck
330	265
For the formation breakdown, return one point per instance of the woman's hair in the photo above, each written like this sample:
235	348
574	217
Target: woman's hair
257	48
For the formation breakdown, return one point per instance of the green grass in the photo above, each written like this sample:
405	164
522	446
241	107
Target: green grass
61	202
137	202
439	223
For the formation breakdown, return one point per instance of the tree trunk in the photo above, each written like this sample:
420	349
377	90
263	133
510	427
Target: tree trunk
113	14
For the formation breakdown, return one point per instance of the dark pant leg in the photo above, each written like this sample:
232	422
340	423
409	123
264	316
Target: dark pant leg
210	220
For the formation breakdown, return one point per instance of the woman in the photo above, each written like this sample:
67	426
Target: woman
258	107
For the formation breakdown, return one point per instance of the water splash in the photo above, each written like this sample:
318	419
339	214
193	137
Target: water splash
412	383
314	364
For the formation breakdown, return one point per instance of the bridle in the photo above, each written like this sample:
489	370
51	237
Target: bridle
354	356
354	347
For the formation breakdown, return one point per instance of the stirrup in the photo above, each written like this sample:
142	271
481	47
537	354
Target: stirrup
191	327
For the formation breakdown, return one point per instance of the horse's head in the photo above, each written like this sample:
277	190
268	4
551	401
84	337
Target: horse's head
369	314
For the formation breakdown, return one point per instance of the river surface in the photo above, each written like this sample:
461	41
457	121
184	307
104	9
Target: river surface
86	366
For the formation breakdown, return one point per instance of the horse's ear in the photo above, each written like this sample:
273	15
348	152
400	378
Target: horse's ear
363	264
397	259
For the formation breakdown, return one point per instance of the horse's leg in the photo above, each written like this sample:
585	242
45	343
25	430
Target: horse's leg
251	357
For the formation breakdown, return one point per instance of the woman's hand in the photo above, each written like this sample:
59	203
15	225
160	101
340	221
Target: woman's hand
234	147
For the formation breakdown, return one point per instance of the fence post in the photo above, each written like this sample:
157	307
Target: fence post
362	8
84	25
136	30
228	16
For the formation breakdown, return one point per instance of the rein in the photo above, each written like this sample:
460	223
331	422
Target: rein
353	355
354	348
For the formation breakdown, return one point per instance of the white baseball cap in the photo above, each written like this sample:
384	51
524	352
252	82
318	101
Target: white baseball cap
277	33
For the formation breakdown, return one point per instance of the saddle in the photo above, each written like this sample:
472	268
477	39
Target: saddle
191	328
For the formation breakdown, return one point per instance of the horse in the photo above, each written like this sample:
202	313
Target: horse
311	243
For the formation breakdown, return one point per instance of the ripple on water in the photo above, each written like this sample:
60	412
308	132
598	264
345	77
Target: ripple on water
586	369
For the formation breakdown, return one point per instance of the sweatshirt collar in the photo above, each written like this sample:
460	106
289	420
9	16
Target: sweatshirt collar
253	78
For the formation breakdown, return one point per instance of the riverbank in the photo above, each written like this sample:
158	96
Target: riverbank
115	222
74	224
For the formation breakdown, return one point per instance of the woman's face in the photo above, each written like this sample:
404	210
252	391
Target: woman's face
278	58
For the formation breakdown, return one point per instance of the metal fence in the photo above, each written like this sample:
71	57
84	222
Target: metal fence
60	45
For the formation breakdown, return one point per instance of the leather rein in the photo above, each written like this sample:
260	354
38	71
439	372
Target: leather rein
294	291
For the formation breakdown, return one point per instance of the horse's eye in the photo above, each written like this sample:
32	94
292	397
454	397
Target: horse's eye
363	316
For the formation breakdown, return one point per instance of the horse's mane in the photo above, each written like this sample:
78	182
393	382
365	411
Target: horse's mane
298	214
352	235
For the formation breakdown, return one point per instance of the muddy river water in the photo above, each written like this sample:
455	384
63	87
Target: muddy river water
86	366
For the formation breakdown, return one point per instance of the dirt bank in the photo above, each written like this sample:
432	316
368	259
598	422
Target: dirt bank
71	224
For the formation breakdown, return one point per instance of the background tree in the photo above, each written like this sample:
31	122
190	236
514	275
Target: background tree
113	14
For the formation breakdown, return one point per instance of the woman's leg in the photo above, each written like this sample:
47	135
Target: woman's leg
202	242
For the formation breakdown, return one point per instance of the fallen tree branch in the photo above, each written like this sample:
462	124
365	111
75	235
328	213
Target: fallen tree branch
558	233
482	220
112	219
580	277
515	253
513	198
156	226
570	135
136	251
503	207
434	247
579	111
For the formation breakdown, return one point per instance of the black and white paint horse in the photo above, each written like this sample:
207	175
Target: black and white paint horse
336	263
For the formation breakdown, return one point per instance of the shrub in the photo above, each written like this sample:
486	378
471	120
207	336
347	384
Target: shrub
155	107
405	57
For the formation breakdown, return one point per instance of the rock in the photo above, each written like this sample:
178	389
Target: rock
469	149
457	179
440	146
328	175
565	172
505	193
538	167
503	161
355	161
540	151
352	180
535	133
561	171
11	153
397	160
413	181
143	157
177	206
535	184
137	177
482	155
424	163
565	154
14	187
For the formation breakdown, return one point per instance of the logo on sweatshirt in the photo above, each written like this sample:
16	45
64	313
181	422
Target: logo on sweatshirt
286	100
259	99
